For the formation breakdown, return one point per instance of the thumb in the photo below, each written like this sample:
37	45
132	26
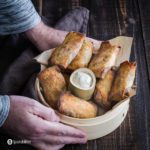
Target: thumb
46	113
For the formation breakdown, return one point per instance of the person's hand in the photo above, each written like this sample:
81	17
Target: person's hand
30	120
96	44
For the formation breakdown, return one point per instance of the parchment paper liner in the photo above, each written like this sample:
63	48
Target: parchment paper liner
124	54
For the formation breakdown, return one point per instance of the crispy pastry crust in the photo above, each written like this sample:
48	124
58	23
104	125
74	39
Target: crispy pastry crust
52	83
104	60
68	50
75	107
123	82
83	57
103	88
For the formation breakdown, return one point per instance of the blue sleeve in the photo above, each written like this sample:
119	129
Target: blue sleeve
4	108
17	16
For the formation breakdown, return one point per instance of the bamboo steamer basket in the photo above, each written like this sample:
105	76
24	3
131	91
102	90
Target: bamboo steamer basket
105	122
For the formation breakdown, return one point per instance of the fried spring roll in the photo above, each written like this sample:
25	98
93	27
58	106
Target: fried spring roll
52	83
104	60
68	50
123	81
83	57
75	107
103	88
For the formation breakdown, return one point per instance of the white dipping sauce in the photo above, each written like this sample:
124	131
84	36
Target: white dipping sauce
82	80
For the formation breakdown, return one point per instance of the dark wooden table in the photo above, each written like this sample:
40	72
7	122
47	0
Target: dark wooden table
108	19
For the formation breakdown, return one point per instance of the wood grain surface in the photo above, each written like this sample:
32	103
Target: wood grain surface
108	19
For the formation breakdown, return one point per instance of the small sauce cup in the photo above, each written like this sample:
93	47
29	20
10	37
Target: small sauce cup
84	93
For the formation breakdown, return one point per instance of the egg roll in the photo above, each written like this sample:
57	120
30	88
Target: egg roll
123	82
102	90
76	107
104	59
83	57
68	50
52	83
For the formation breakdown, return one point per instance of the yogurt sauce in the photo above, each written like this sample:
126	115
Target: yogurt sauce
82	80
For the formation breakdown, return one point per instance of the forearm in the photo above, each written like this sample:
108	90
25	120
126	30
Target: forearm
44	37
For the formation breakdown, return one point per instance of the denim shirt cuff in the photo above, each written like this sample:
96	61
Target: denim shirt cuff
4	108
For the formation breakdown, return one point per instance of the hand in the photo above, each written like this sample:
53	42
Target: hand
96	44
30	120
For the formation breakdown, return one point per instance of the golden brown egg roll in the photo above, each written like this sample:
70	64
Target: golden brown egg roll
76	107
83	57
102	90
104	60
52	83
123	81
68	50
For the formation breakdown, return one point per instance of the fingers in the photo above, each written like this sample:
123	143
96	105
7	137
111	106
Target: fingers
44	146
64	140
64	130
57	147
46	113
